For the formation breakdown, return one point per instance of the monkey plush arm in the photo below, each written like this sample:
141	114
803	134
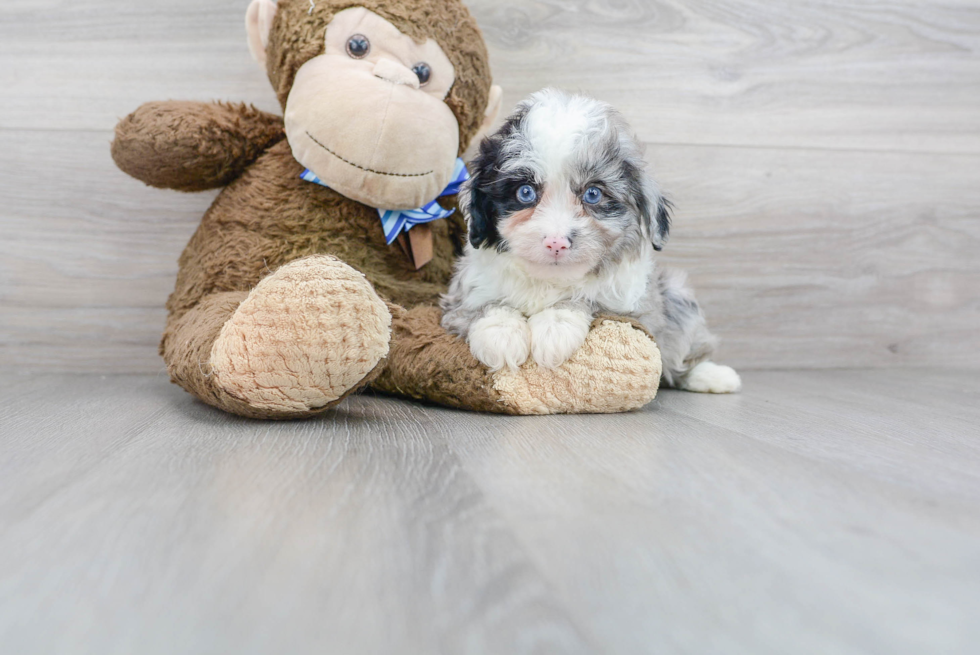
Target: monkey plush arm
193	146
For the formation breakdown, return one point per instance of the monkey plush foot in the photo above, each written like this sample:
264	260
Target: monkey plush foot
616	370
306	336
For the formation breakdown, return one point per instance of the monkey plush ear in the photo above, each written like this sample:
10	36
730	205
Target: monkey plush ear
258	23
655	212
493	108
494	104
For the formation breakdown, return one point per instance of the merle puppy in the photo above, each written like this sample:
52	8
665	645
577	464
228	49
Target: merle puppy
563	225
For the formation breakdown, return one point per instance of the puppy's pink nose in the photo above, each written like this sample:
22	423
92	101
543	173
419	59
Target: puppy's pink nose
557	246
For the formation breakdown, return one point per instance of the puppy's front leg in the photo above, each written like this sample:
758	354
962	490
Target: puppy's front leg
558	332
500	338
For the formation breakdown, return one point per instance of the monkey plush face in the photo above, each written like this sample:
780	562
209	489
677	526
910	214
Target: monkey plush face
369	115
373	111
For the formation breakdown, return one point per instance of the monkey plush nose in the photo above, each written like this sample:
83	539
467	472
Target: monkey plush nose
392	71
557	246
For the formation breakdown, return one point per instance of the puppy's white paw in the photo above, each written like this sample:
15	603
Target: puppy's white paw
501	338
708	377
556	334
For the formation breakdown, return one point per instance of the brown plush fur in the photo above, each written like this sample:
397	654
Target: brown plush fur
269	217
427	363
191	146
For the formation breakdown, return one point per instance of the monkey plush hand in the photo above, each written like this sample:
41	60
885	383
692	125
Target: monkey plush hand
289	296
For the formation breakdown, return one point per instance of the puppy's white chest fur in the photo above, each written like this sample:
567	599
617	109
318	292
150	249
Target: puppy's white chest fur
487	277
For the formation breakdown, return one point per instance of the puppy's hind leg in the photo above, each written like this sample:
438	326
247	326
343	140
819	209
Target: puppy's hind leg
687	343
708	377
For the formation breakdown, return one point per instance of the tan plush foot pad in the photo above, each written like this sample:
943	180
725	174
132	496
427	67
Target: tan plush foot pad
617	370
304	337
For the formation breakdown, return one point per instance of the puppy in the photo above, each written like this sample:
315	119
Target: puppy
563	225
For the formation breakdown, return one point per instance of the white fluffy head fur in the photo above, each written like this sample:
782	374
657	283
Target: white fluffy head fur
562	187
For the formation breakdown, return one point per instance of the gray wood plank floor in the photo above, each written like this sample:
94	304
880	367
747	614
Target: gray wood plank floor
817	512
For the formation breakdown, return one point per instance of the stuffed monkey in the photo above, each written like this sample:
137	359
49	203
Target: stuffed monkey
296	291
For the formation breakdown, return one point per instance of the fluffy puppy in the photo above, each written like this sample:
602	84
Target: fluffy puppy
563	225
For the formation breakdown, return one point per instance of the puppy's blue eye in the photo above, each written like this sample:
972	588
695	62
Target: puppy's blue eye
526	194
592	196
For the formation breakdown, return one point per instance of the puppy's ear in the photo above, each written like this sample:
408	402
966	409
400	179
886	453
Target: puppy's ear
479	213
655	211
481	210
661	223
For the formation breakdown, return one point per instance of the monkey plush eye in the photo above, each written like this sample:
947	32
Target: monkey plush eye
424	72
526	194
358	46
592	196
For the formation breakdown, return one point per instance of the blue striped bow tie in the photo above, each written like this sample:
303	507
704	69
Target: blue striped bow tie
396	221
